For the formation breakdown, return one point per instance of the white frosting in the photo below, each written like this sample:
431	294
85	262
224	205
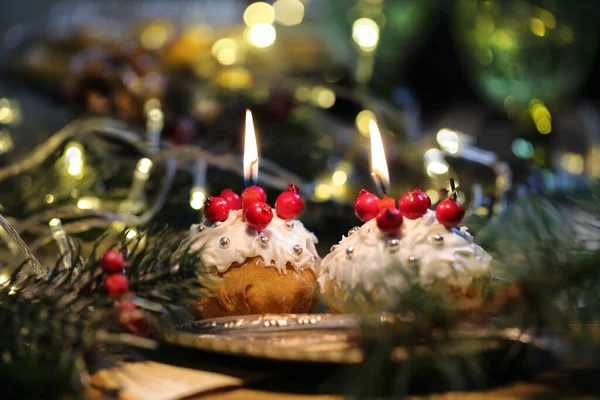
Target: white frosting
456	259
244	243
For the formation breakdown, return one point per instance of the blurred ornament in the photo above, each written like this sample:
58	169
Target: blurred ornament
518	51
181	131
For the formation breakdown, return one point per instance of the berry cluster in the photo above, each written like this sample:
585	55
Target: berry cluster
253	203
412	205
116	285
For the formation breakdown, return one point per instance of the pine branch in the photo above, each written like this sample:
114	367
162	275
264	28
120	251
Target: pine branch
49	326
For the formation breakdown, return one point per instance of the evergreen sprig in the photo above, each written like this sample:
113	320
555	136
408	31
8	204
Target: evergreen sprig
53	329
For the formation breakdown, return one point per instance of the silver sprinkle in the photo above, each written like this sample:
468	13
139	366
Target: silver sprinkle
297	249
353	231
413	259
438	239
263	240
349	251
289	224
334	247
199	228
216	224
393	244
370	230
224	242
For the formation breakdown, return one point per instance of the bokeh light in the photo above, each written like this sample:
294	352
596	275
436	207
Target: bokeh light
288	12
522	148
573	163
197	198
225	51
448	140
322	96
339	177
261	35
365	33
363	119
259	13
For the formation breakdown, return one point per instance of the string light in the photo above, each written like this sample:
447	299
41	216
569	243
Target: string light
363	119
302	93
131	233
573	163
522	148
541	116
60	237
155	35
140	176
49	198
6	142
197	198
88	203
225	51
448	140
288	12
259	13
339	177
74	159
435	164
537	27
323	192
261	35
322	96
365	32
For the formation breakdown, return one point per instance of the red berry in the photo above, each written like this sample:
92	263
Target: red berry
232	198
449	213
289	204
258	215
127	306
216	209
366	206
251	195
386	202
116	285
389	220
414	204
134	319
112	261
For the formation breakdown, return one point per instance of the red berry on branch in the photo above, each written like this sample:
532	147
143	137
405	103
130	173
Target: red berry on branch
414	204
389	220
258	215
289	204
232	198
112	261
134	319
386	202
449	213
116	285
251	195
216	209
366	206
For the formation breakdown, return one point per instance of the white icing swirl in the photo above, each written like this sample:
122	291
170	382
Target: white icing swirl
456	259
244	242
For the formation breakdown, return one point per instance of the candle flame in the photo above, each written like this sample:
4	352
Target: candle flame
250	151
379	168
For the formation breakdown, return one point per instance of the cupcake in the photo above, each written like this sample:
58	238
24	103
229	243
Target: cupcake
396	248
266	263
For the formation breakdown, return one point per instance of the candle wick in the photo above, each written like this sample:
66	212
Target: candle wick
379	183
251	181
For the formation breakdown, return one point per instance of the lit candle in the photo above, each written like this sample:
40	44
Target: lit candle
250	152
379	168
252	193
